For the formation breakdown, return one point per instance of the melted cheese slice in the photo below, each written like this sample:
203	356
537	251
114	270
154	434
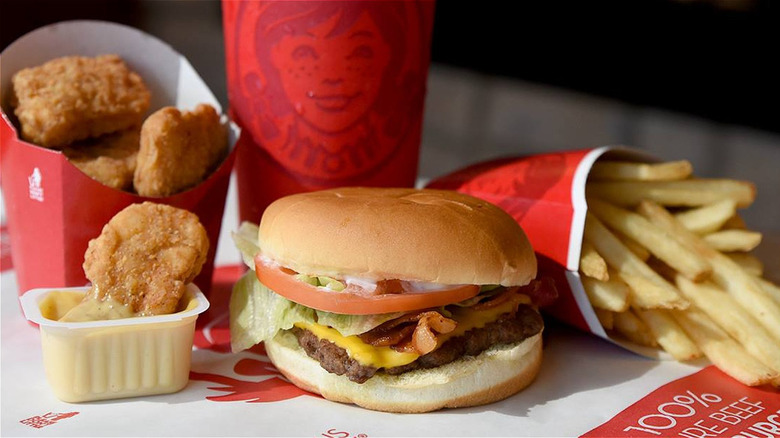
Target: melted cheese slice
386	357
366	354
470	319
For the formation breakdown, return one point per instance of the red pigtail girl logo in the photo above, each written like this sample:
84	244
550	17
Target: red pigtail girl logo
332	88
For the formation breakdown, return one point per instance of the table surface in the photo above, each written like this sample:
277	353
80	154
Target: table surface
584	382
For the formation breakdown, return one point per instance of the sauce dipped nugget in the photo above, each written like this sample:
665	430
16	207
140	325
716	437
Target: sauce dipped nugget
74	97
109	159
142	260
178	150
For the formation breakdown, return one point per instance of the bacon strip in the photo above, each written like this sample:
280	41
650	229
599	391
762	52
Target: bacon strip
424	338
417	331
386	338
542	291
510	294
413	332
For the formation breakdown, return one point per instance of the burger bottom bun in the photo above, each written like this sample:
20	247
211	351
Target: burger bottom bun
495	374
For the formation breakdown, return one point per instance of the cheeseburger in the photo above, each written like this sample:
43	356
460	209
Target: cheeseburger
397	300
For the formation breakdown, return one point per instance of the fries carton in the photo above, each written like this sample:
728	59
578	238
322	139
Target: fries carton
546	195
53	208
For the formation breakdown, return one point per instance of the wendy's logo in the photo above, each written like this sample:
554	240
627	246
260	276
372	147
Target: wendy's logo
35	186
329	89
332	81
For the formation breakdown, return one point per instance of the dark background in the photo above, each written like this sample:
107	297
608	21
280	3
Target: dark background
705	58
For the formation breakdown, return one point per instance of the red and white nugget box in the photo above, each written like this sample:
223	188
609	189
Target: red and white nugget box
53	209
545	193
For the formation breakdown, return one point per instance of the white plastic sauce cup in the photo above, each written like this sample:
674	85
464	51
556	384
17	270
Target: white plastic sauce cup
101	360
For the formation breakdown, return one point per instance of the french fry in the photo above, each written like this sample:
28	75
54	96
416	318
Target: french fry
638	250
608	295
748	262
734	320
592	264
723	351
643	292
652	237
662	294
633	329
686	193
669	335
708	218
770	288
624	170
733	240
745	289
606	318
700	253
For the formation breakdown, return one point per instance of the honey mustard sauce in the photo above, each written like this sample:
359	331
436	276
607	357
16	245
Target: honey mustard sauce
93	309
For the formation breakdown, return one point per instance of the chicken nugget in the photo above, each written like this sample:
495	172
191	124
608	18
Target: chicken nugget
178	150
109	159
74	98
145	256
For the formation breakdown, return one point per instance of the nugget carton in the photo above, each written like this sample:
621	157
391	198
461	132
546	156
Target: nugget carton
545	194
53	209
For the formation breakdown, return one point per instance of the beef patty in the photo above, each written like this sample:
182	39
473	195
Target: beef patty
507	329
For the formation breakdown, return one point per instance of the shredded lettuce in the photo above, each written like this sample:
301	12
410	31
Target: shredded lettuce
331	283
308	279
258	314
486	291
349	325
321	281
246	242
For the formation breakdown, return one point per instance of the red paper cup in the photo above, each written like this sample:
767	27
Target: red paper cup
327	93
546	195
53	209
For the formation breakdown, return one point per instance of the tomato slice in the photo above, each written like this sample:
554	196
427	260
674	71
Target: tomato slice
286	285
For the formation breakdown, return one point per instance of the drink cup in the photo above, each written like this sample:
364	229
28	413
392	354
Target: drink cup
327	93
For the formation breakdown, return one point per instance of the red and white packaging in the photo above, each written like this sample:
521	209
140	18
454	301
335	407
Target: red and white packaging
53	209
704	404
545	193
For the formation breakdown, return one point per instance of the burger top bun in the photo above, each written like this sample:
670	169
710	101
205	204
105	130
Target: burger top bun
435	236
